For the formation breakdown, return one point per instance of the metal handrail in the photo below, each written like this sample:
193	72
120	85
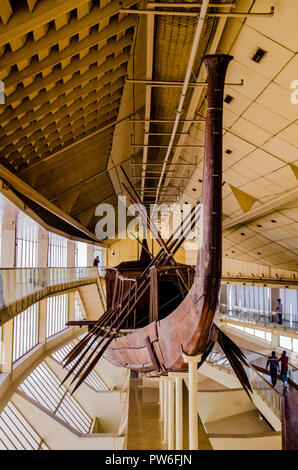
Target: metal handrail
265	317
22	287
272	396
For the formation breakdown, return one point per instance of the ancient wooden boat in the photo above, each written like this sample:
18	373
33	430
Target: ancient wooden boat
132	333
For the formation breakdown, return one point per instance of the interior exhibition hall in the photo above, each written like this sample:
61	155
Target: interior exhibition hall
149	225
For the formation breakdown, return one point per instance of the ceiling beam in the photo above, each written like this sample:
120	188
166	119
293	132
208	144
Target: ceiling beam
264	209
60	90
80	141
61	119
56	57
75	66
27	191
65	106
24	22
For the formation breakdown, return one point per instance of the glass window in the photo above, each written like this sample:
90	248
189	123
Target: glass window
285	342
16	433
57	251
268	336
81	254
25	331
43	386
26	241
250	331
57	314
260	334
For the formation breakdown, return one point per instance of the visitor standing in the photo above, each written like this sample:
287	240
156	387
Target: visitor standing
96	261
279	309
274	367
284	361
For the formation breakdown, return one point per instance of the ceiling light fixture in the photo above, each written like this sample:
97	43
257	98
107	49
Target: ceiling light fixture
228	99
259	55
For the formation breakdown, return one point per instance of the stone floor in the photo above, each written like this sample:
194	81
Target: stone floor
145	431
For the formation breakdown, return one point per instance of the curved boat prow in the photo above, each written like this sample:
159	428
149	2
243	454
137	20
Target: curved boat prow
189	327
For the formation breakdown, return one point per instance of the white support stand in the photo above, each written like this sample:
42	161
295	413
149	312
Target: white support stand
193	399
161	404
171	413
165	410
178	408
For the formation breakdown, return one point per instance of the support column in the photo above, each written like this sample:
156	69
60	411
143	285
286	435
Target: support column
274	292
161	404
42	321
7	345
165	410
71	246
193	399
42	248
178	408
171	413
71	299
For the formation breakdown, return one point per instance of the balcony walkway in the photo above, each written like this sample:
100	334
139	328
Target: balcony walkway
255	317
21	288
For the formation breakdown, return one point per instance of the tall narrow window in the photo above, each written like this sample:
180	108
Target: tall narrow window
57	252
26	241
16	433
25	331
43	386
81	254
57	314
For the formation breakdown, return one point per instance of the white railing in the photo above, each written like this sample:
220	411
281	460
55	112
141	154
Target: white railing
21	287
257	382
264	317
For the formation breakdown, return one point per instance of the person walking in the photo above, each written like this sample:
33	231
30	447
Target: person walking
274	367
279	311
284	360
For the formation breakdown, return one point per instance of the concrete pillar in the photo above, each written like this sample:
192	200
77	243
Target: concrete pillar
90	257
7	345
42	249
274	291
171	413
42	321
178	408
193	399
71	298
8	242
71	246
274	340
